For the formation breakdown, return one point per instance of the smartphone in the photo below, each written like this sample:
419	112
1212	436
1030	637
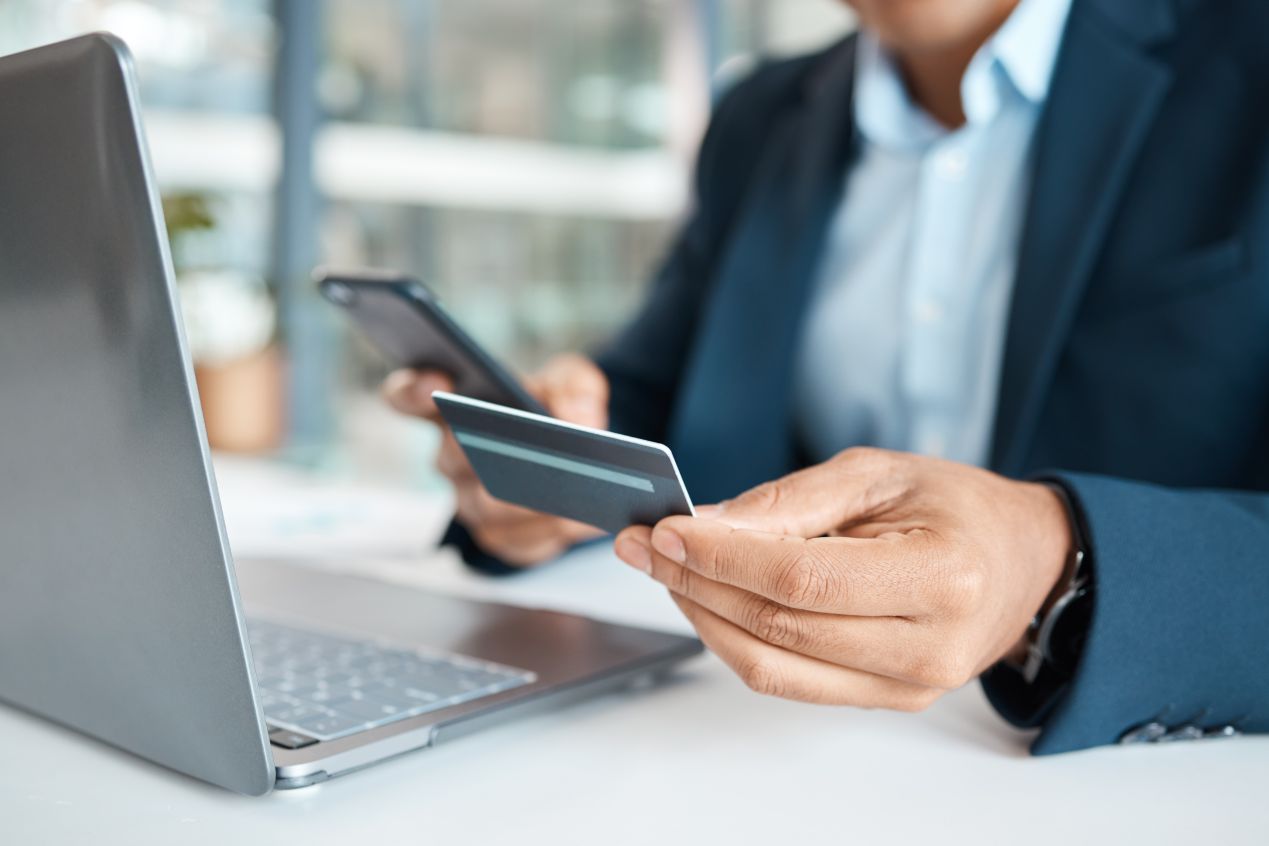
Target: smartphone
404	321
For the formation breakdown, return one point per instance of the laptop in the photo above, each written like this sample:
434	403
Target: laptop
121	613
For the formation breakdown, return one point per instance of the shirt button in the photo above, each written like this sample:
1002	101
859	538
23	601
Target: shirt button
951	164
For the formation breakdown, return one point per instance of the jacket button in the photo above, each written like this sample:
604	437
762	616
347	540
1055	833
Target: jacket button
1185	732
1144	733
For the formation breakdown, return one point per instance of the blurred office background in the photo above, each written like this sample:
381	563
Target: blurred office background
528	159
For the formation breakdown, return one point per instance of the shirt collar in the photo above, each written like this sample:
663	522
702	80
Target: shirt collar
1018	59
1026	45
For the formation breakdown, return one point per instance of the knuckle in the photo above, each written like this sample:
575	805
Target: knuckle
711	564
763	677
764	498
774	623
963	588
802	579
677	580
864	457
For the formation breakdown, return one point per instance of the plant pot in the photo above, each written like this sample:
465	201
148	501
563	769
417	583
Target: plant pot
244	402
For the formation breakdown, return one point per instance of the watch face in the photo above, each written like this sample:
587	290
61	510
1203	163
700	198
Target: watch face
1070	629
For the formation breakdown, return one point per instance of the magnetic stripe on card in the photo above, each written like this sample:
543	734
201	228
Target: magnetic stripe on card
533	456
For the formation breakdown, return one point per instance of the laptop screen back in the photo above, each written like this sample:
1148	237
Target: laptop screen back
118	610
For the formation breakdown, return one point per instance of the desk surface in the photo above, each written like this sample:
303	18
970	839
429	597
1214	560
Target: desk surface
699	759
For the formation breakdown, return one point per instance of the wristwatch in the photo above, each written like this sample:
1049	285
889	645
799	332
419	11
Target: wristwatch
1056	635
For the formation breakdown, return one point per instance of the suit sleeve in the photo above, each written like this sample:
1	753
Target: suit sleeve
1180	627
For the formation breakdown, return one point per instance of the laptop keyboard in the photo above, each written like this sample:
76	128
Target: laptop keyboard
315	686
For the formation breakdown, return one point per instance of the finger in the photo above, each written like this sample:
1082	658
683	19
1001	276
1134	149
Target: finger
496	514
519	552
410	391
895	647
576	390
821	499
452	461
773	671
633	545
893	575
533	540
515	535
485	509
528	531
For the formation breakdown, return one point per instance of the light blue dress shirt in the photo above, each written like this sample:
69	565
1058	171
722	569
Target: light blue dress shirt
903	340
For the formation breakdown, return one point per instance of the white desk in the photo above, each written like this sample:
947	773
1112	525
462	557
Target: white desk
701	760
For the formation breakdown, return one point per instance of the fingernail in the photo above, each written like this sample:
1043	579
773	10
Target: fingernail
669	544
634	553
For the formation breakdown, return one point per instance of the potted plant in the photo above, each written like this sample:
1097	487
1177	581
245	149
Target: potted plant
231	324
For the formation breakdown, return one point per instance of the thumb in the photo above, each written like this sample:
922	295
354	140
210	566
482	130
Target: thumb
576	390
815	501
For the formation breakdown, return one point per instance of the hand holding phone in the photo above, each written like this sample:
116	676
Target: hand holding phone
407	324
569	387
573	389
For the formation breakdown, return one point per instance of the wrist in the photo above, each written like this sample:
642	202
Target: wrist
1054	564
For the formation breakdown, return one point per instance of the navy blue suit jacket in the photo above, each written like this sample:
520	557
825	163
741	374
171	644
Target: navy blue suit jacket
1136	367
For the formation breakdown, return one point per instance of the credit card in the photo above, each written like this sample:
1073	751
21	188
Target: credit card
601	478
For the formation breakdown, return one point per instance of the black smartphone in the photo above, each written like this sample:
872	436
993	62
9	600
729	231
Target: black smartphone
405	322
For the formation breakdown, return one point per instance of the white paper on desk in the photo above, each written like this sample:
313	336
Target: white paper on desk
266	517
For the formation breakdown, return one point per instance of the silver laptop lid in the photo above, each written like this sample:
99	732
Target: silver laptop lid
118	608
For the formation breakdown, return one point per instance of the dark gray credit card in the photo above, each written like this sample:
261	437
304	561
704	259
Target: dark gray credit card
607	480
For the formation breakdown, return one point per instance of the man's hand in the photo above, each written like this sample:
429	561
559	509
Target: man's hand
876	579
573	389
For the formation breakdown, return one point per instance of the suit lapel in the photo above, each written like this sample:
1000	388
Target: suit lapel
1105	93
744	355
824	140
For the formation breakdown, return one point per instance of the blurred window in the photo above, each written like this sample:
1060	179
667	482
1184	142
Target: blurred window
529	159
560	71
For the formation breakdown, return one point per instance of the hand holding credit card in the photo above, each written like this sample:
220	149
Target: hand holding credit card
601	478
